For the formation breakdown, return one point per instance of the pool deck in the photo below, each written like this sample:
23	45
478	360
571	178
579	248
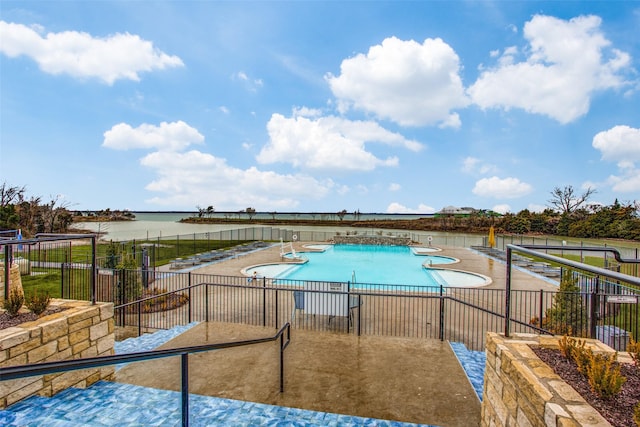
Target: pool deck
408	380
402	379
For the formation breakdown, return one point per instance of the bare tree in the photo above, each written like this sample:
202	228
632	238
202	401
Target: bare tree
11	195
566	200
55	216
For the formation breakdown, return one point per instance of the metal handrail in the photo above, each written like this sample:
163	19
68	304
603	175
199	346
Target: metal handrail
23	371
614	251
530	250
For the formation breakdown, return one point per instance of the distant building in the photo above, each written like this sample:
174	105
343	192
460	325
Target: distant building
464	211
454	210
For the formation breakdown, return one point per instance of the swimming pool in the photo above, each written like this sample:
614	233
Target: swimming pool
372	264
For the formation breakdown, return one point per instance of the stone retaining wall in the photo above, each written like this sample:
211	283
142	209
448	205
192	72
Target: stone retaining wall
373	240
522	390
83	330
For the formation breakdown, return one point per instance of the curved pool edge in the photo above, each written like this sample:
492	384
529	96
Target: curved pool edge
487	280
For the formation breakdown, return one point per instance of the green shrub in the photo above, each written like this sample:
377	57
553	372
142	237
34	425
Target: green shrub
38	302
14	303
636	414
634	352
601	370
604	375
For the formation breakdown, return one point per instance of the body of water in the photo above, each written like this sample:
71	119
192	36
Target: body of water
150	225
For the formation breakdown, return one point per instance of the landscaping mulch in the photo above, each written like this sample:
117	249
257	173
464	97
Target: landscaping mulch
618	409
7	321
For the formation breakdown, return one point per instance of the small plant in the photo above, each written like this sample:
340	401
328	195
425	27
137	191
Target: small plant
583	358
38	302
14	303
636	414
604	375
634	352
570	346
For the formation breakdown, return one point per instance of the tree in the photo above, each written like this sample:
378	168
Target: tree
567	315
341	214
201	211
567	201
210	210
251	213
55	217
10	196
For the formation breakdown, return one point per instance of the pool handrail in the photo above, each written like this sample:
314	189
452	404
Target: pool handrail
23	371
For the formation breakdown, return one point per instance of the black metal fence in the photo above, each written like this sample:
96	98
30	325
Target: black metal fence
446	313
604	306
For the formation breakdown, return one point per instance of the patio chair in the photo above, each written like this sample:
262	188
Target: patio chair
298	298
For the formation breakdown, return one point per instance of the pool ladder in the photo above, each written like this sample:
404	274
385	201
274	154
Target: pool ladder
353	276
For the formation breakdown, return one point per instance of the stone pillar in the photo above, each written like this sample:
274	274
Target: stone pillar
15	281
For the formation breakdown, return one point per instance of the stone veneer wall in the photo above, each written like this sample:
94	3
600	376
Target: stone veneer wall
373	240
15	280
83	330
522	390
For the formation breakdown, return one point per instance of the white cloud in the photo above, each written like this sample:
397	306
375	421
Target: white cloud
118	56
306	112
223	109
503	208
252	85
507	188
472	165
329	143
567	62
621	144
536	208
407	82
627	182
395	186
398	208
189	178
192	178
175	136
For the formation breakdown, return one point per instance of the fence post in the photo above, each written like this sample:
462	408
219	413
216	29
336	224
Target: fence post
190	305
507	295
206	302
593	312
359	313
264	301
276	304
441	333
139	307
184	364
62	271
541	307
94	270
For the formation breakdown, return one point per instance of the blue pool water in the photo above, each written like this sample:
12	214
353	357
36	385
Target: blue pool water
392	265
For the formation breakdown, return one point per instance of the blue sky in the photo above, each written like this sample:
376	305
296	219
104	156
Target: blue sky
399	107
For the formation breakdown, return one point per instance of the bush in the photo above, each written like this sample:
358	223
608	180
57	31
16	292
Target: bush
570	347
38	302
636	414
634	352
14	303
604	375
601	370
